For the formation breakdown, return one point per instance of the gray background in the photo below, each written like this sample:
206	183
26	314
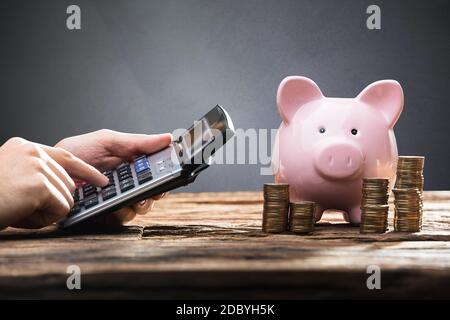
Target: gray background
152	66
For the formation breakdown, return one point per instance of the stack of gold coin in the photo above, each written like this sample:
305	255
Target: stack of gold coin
301	217
408	210
410	173
408	194
276	207
374	205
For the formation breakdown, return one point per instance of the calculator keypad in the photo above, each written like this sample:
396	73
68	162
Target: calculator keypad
124	178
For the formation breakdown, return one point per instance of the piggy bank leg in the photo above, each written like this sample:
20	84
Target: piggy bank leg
318	212
354	215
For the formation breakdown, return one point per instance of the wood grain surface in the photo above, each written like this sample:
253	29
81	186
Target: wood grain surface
210	245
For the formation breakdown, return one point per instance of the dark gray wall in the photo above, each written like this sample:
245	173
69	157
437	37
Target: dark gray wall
151	66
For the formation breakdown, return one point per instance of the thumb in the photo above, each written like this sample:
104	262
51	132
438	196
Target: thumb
129	144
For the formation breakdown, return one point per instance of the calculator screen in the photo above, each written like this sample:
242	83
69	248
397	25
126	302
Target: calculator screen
193	138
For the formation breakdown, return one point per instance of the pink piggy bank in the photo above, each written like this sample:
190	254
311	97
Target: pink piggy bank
325	146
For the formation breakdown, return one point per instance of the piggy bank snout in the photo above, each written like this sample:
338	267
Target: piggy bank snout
339	160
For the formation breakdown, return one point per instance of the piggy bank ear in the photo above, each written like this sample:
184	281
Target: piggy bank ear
386	96
293	93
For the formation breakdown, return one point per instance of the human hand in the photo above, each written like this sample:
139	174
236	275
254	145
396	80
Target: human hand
106	149
36	183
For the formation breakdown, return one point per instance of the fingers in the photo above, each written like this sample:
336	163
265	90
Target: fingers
76	167
55	206
62	174
125	215
128	144
159	196
121	216
147	205
57	190
40	187
57	177
144	206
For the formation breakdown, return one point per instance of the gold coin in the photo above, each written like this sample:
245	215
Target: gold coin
275	215
302	219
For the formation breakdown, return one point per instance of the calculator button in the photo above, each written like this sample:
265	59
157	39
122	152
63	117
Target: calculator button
142	167
90	201
109	188
75	209
123	169
141	157
110	177
144	176
126	185
109	193
124	176
128	180
110	184
141	164
107	173
89	190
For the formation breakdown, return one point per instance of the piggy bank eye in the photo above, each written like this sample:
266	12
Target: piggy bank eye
322	130
354	132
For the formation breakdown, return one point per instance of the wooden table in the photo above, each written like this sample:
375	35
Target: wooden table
210	245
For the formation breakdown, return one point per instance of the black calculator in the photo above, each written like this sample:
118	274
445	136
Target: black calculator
148	175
